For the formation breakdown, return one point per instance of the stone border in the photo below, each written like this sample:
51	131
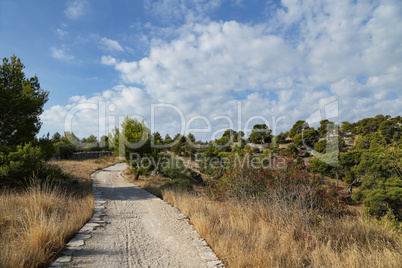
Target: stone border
85	232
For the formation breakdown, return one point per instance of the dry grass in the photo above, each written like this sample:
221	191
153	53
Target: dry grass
36	223
261	235
152	184
254	235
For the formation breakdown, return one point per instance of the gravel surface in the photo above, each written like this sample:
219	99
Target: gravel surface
133	228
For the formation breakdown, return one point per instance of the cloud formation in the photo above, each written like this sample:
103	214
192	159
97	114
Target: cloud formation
307	55
111	45
61	54
75	9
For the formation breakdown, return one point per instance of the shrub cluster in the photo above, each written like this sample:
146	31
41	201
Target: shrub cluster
26	162
291	185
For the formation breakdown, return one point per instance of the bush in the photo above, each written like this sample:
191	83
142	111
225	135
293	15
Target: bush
181	184
51	172
380	195
47	147
289	185
65	151
20	165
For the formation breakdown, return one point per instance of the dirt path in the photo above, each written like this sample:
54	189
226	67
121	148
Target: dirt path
136	229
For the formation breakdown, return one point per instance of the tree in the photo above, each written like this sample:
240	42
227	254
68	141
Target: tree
21	104
133	138
104	142
239	136
56	137
325	125
90	142
298	127
229	133
179	137
281	138
292	150
168	139
157	139
308	137
260	134
191	137
348	127
321	146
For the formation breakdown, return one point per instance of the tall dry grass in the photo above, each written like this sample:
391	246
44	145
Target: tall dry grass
36	223
253	234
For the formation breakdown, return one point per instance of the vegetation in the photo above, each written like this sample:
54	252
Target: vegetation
22	102
290	216
36	222
260	234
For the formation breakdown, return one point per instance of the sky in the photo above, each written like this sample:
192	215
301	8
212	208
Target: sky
204	66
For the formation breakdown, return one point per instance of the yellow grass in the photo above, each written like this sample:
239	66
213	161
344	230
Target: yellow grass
254	235
36	223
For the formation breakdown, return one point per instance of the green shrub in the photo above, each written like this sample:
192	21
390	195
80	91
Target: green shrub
181	184
65	150
51	172
22	164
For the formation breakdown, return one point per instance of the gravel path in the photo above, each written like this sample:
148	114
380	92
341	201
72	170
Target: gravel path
132	228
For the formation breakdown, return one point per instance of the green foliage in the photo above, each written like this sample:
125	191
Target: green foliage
292	150
56	137
22	163
22	102
65	151
168	139
321	146
179	137
181	176
104	142
281	138
325	125
179	184
298	127
27	162
348	127
46	145
260	134
210	159
136	138
288	186
379	201
319	167
375	163
157	139
308	137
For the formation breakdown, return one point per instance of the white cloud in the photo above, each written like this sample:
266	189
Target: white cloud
177	10
75	9
308	55
98	114
109	44
62	34
108	60
61	54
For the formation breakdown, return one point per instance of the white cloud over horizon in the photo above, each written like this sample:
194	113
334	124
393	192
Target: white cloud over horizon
308	55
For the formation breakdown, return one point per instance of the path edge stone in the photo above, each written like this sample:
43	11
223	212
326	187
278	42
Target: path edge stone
84	233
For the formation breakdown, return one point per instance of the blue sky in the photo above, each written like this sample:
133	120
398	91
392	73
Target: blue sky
207	60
